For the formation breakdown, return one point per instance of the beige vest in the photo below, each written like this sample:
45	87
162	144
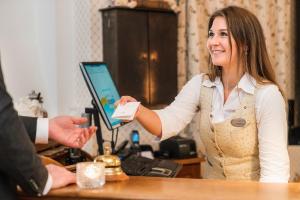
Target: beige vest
232	145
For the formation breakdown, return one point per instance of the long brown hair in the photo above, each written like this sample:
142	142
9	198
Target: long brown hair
248	34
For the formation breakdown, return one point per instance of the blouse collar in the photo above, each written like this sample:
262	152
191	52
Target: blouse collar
247	83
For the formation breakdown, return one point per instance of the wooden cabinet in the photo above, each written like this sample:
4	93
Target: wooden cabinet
191	168
140	47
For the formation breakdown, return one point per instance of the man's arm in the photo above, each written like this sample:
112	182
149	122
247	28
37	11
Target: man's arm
62	129
30	124
17	154
18	158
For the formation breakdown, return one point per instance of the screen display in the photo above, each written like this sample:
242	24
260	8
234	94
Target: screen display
105	89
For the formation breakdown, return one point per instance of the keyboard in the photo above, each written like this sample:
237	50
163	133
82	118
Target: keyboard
136	165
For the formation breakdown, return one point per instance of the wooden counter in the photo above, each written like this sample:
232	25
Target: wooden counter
178	188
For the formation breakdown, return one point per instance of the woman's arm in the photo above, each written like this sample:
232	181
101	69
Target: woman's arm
272	135
146	117
169	121
149	120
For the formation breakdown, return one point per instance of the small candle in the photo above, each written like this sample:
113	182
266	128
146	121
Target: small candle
92	171
90	174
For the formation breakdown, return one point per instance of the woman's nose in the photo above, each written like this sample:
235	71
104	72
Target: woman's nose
215	40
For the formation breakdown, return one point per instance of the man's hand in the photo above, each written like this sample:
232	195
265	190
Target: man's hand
65	130
60	176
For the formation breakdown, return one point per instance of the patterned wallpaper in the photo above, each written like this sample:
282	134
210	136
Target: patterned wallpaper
274	15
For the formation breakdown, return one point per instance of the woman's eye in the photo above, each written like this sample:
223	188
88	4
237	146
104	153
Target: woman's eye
210	34
223	34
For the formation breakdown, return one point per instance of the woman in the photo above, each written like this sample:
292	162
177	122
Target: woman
243	122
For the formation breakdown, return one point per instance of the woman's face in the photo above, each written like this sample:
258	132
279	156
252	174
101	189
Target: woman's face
218	44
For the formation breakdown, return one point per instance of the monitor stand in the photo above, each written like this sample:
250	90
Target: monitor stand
94	112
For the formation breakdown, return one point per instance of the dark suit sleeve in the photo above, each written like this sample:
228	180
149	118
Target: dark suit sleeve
17	154
30	124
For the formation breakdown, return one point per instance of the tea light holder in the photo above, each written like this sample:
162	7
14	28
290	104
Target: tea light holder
90	174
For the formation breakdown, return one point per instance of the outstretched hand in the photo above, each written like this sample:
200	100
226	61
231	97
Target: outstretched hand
65	130
125	99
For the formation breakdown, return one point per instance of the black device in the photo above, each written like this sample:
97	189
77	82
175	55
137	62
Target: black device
135	142
136	165
75	155
178	147
94	113
121	147
103	91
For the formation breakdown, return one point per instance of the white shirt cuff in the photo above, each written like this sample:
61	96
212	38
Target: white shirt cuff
42	131
48	184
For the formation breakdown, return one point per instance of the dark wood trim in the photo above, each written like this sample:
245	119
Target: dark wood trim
297	63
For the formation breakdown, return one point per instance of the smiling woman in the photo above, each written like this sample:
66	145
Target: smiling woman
243	40
218	44
243	122
223	52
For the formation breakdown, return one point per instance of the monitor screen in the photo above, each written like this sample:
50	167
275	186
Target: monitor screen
103	90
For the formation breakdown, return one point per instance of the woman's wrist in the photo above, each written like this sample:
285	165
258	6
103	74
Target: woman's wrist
138	112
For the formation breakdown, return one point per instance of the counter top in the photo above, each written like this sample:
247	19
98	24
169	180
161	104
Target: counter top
179	188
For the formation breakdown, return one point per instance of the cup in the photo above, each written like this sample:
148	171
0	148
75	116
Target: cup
90	175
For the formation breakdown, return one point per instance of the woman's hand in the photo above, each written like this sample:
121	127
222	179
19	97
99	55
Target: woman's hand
146	117
124	100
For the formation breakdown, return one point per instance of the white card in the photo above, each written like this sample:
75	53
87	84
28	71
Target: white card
126	111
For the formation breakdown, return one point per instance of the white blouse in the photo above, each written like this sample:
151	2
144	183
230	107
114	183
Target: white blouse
270	116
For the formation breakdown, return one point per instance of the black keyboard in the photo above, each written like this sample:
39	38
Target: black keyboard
136	165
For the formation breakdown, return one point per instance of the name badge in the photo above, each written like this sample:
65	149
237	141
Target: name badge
238	122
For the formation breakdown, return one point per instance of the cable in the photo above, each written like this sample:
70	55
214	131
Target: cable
116	139
112	142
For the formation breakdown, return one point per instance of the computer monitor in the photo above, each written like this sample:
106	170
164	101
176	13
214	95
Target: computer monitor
103	90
